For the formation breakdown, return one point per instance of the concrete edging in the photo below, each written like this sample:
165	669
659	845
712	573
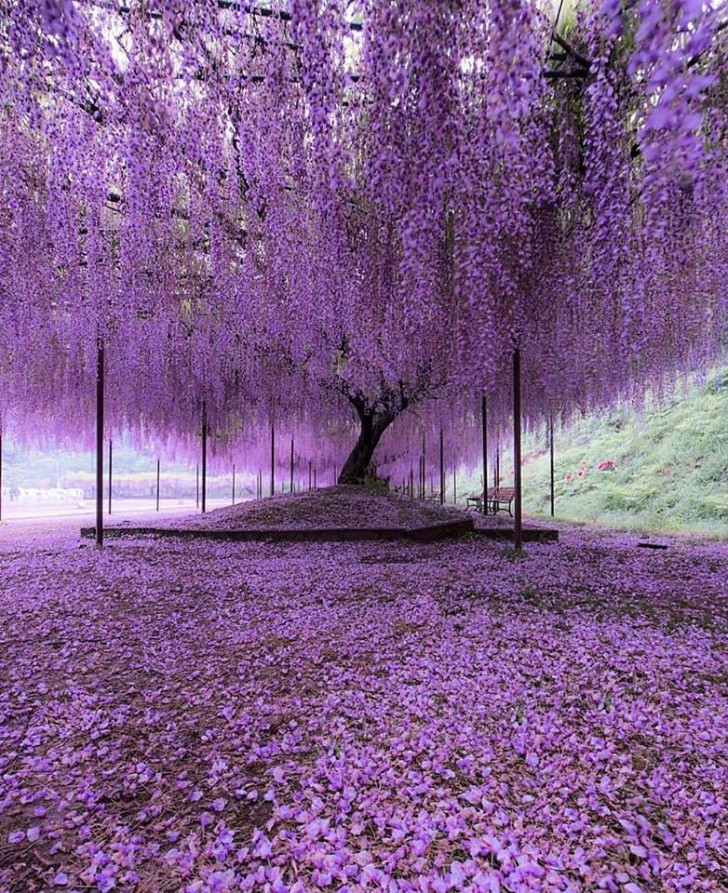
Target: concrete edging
428	534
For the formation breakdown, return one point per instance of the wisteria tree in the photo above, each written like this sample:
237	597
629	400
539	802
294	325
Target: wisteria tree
286	207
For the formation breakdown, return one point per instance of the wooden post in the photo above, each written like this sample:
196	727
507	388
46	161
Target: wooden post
442	467
158	484
100	444
233	483
485	455
518	512
111	458
204	457
551	460
292	465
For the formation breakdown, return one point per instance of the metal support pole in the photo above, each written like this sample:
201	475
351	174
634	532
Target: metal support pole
292	465
551	460
100	444
442	467
197	486
233	483
204	457
518	502
485	455
1	471
272	460
336	479
158	465
309	475
455	486
111	460
424	467
315	485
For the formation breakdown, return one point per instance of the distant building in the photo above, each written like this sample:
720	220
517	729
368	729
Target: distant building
47	494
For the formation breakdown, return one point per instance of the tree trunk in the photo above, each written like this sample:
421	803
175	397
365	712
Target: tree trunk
373	425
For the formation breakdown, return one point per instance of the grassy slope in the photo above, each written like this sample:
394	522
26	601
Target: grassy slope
671	466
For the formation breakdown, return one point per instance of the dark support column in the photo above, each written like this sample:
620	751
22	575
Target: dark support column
204	458
233	483
518	503
197	486
442	468
309	475
485	455
100	444
292	465
336	479
454	486
111	460
1	471
424	468
158	466
551	459
315	485
272	460
412	482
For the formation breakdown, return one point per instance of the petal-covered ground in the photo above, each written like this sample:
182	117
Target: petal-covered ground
192	716
343	506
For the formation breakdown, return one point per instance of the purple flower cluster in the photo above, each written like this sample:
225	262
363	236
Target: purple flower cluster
280	215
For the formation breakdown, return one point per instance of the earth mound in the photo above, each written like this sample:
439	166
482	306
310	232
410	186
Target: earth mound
349	507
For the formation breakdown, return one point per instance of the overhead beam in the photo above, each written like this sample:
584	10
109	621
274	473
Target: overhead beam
263	12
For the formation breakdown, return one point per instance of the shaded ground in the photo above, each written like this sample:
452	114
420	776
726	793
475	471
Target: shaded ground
207	717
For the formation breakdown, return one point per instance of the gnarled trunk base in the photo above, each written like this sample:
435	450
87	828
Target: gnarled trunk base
373	425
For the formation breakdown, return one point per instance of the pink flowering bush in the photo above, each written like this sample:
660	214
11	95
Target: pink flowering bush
202	717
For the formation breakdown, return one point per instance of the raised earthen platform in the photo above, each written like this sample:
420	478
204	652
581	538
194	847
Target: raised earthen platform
429	534
332	514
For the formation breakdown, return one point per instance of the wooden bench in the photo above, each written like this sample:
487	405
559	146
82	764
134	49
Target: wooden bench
474	501
501	498
498	499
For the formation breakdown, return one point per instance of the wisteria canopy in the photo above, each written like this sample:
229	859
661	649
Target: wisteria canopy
285	211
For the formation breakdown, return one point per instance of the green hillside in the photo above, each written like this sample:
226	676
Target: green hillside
670	466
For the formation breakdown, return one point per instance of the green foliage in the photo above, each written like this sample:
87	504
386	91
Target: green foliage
670	466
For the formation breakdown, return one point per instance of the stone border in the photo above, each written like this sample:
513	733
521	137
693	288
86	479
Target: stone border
428	534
